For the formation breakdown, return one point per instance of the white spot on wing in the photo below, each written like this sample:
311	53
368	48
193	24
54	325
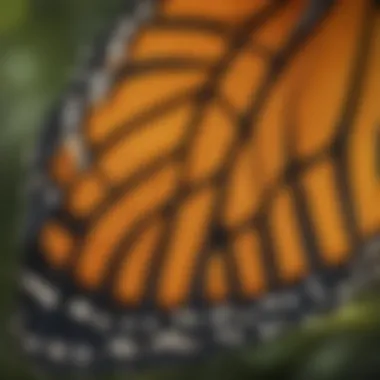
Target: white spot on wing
173	341
230	337
75	146
116	47
99	86
144	10
222	315
57	350
122	348
72	114
41	290
80	310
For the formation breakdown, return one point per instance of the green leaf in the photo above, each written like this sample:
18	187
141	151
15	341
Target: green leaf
13	14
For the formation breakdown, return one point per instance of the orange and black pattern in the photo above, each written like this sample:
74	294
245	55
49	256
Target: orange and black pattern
223	161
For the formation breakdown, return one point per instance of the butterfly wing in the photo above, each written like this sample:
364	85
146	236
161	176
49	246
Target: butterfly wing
175	209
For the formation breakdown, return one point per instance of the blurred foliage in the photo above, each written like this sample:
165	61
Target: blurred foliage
39	40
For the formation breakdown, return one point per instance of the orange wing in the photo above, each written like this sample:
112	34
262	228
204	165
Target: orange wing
215	178
190	152
159	144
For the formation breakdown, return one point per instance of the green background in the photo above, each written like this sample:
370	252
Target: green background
39	41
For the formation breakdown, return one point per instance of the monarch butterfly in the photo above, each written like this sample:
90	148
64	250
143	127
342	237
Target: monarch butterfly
208	179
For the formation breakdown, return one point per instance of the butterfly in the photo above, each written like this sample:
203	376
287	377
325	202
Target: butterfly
208	180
